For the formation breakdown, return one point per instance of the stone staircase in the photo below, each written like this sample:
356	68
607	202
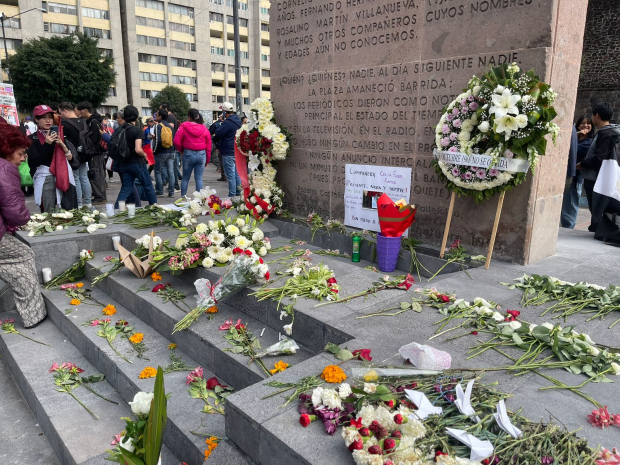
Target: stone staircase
255	431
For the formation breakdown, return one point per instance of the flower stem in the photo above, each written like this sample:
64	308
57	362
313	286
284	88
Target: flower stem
117	352
33	340
82	404
97	394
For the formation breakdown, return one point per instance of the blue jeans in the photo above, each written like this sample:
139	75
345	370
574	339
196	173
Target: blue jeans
164	161
193	160
177	168
230	170
570	202
129	173
82	186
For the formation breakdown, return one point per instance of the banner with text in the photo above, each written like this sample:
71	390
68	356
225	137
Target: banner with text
515	165
364	184
8	107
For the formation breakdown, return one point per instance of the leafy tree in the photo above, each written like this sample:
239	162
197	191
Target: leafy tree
57	69
174	97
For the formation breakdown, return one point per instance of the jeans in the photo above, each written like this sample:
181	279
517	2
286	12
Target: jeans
230	170
129	173
193	160
164	161
177	170
570	202
82	185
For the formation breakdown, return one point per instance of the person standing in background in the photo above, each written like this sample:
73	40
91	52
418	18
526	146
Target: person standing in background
30	126
193	141
164	153
226	134
72	125
174	122
146	144
97	163
216	154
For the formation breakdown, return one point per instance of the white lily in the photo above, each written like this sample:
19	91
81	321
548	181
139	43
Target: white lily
506	124
504	104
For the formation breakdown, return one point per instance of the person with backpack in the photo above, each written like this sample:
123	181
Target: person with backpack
125	149
75	130
216	155
174	122
163	149
106	129
193	141
226	134
92	151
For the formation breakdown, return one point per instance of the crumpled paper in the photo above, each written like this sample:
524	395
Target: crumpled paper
503	421
426	357
141	268
480	450
463	401
425	408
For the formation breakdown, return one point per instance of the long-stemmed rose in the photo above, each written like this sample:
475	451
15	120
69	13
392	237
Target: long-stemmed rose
8	326
205	389
400	282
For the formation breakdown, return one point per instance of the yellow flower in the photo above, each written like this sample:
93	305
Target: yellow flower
333	374
212	309
136	338
76	301
156	276
172	346
211	444
80	284
279	366
109	310
148	372
371	376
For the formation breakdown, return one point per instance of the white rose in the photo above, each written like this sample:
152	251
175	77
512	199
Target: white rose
127	445
95	212
587	339
141	404
594	351
484	127
532	326
514	325
31	233
91	228
202	228
499	89
498	316
232	230
316	397
616	368
58	228
476	90
262	251
549	326
288	329
481	302
240	222
257	235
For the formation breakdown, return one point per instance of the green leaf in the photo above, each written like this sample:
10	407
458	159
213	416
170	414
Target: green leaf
517	339
129	458
156	422
416	307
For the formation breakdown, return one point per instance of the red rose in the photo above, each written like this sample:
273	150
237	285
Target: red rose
398	419
439	453
335	291
364	432
375	450
212	382
267	275
356	423
362	354
261	261
247	252
513	313
332	281
304	420
443	298
474	333
396	434
389	403
237	250
389	445
159	287
407	283
356	445
239	325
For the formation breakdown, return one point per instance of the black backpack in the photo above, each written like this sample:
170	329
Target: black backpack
87	148
118	149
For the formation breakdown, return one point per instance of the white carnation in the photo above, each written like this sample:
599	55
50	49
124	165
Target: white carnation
232	230
208	262
344	390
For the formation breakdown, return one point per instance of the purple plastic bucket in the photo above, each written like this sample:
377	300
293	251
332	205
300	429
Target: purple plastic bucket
388	249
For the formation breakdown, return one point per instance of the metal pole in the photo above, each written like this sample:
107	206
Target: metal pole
237	56
6	51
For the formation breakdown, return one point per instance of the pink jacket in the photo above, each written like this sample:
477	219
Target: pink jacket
193	136
13	210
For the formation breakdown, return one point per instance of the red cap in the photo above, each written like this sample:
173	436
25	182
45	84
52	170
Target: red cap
41	110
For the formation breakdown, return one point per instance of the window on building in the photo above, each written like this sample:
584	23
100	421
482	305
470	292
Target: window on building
154	77
12	44
216	18
185	80
217	98
98	33
181	10
148	93
180	27
12	23
183	63
242	6
179	45
153	59
146	111
152	4
217	2
217	51
266	88
95	13
107	109
265	73
59	28
246	100
111	91
217	67
51	7
192	97
146	40
242	54
107	52
150	22
242	22
244	70
264	11
264	57
264	27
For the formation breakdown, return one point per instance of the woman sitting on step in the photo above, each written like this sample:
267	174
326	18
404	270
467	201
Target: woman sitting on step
16	258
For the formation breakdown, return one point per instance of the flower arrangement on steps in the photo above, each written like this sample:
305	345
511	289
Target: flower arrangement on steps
259	143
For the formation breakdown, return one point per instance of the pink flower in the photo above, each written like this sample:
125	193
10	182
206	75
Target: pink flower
227	204
116	441
445	142
464	110
607	457
453	136
481	174
463	101
508	154
456	123
108	258
455	170
473	106
95	323
600	418
55	367
9	321
468	175
449	116
229	324
194	375
453	149
445	129
455	111
68	286
493	172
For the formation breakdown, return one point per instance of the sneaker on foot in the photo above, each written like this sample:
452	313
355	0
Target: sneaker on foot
171	195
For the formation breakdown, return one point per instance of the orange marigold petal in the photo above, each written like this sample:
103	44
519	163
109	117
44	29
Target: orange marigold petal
333	374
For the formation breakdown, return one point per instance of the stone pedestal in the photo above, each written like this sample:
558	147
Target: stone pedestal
364	81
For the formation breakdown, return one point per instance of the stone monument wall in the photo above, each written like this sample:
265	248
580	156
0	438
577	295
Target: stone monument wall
364	82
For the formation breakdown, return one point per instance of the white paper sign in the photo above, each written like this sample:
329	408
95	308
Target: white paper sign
364	184
516	165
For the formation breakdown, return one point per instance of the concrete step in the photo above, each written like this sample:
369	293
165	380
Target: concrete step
202	341
74	435
184	413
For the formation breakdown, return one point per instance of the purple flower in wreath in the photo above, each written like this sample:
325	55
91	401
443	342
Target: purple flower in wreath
449	116
455	111
445	142
453	136
456	123
493	172
481	174
464	102
470	98
445	129
473	106
453	149
456	171
508	154
464	110
468	175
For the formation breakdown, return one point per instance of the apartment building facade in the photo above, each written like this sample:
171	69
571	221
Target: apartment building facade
154	43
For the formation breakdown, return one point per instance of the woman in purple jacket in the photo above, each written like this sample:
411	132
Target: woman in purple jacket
16	258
